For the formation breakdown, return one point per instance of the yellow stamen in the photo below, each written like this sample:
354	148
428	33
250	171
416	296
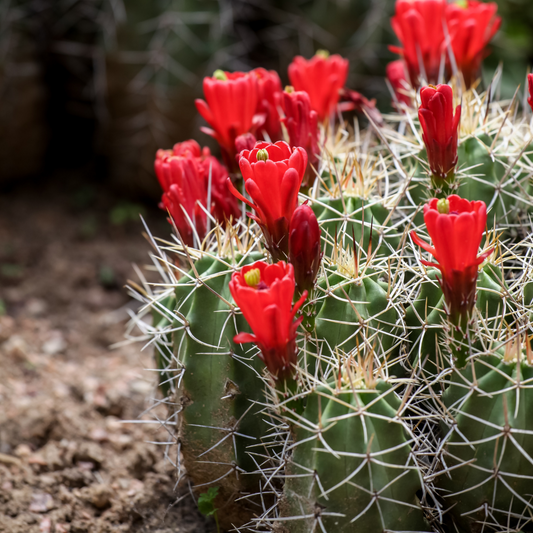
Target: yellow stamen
322	53
220	75
289	89
253	277
443	206
262	155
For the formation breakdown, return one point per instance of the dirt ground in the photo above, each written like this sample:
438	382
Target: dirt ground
67	461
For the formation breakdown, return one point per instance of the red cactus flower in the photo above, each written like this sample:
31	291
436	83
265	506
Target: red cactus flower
269	86
321	77
264	294
440	129
272	176
530	87
231	105
184	196
188	148
398	80
302	126
456	227
419	26
246	141
191	177
471	27
304	247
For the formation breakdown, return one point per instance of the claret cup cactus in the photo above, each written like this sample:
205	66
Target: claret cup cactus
355	353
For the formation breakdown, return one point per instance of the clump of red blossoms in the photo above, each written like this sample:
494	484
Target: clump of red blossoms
471	26
188	175
419	26
272	174
264	294
456	227
321	77
530	87
304	247
302	126
230	107
440	130
397	77
269	90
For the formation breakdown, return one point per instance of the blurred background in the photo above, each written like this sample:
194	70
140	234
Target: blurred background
89	90
101	84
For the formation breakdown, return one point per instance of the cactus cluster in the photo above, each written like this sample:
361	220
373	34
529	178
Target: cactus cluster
358	384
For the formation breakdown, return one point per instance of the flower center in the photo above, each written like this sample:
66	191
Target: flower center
289	89
443	206
252	277
322	53
262	155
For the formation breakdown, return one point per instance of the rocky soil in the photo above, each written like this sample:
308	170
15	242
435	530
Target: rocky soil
70	462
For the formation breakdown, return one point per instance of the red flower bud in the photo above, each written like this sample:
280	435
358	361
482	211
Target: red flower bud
269	86
440	129
272	176
471	28
530	87
398	80
246	141
304	247
456	227
230	107
419	24
302	126
321	77
264	294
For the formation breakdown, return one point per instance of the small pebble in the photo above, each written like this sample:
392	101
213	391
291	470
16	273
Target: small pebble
41	502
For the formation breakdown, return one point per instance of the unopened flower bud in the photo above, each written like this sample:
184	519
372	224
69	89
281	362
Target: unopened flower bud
440	128
304	247
302	126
